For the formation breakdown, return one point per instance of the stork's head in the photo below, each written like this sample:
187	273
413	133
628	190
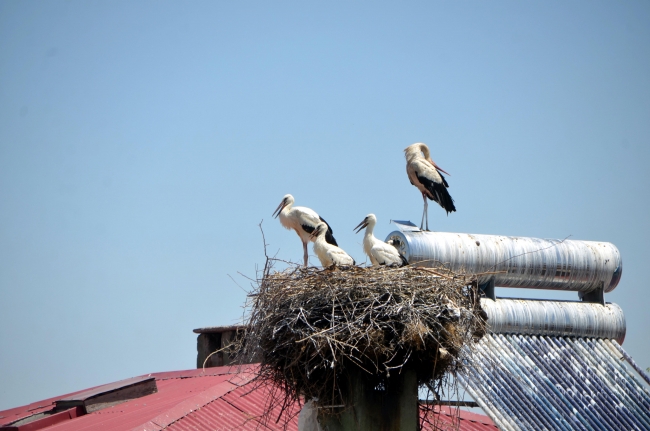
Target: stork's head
287	200
419	149
321	228
416	150
370	220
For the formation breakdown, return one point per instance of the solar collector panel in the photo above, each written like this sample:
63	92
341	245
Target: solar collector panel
556	383
502	415
536	382
577	392
620	382
533	409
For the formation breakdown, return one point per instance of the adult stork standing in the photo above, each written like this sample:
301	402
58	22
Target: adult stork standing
303	221
426	176
329	254
379	252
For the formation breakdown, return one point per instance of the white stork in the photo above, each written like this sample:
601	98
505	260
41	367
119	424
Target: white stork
426	176
329	254
303	221
379	252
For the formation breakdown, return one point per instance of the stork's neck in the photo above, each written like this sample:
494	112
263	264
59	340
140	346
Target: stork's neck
287	208
320	239
369	239
369	230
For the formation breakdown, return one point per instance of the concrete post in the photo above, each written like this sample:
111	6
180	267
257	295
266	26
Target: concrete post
395	408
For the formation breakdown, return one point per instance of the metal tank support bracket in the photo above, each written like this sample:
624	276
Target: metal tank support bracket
596	296
488	289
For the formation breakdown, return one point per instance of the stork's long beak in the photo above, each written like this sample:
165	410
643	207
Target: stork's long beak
361	225
438	167
315	233
279	209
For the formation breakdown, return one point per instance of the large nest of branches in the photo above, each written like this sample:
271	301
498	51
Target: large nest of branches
312	327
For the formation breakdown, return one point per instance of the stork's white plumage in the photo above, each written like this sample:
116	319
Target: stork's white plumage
329	254
379	252
303	220
426	176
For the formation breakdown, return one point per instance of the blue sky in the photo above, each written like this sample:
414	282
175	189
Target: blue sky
142	142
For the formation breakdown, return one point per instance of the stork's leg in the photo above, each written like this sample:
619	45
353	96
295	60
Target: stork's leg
425	213
426	210
305	255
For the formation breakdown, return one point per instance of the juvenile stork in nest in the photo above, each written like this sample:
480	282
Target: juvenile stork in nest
379	252
426	176
329	254
303	221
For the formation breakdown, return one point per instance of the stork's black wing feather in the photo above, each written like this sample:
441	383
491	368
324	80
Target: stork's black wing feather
308	228
438	192
329	235
444	181
404	261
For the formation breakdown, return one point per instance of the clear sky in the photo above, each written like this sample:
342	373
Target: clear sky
142	142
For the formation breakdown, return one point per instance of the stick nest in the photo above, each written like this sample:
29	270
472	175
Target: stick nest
312	327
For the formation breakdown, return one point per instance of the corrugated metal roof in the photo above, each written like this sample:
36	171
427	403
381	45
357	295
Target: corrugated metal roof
529	382
219	415
448	418
221	398
171	399
174	389
240	409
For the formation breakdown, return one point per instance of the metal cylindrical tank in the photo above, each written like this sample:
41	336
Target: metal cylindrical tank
555	318
582	266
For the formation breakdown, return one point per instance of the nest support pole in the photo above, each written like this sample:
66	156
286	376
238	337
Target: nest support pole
392	408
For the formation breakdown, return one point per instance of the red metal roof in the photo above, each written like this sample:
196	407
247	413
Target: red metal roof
450	417
221	398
